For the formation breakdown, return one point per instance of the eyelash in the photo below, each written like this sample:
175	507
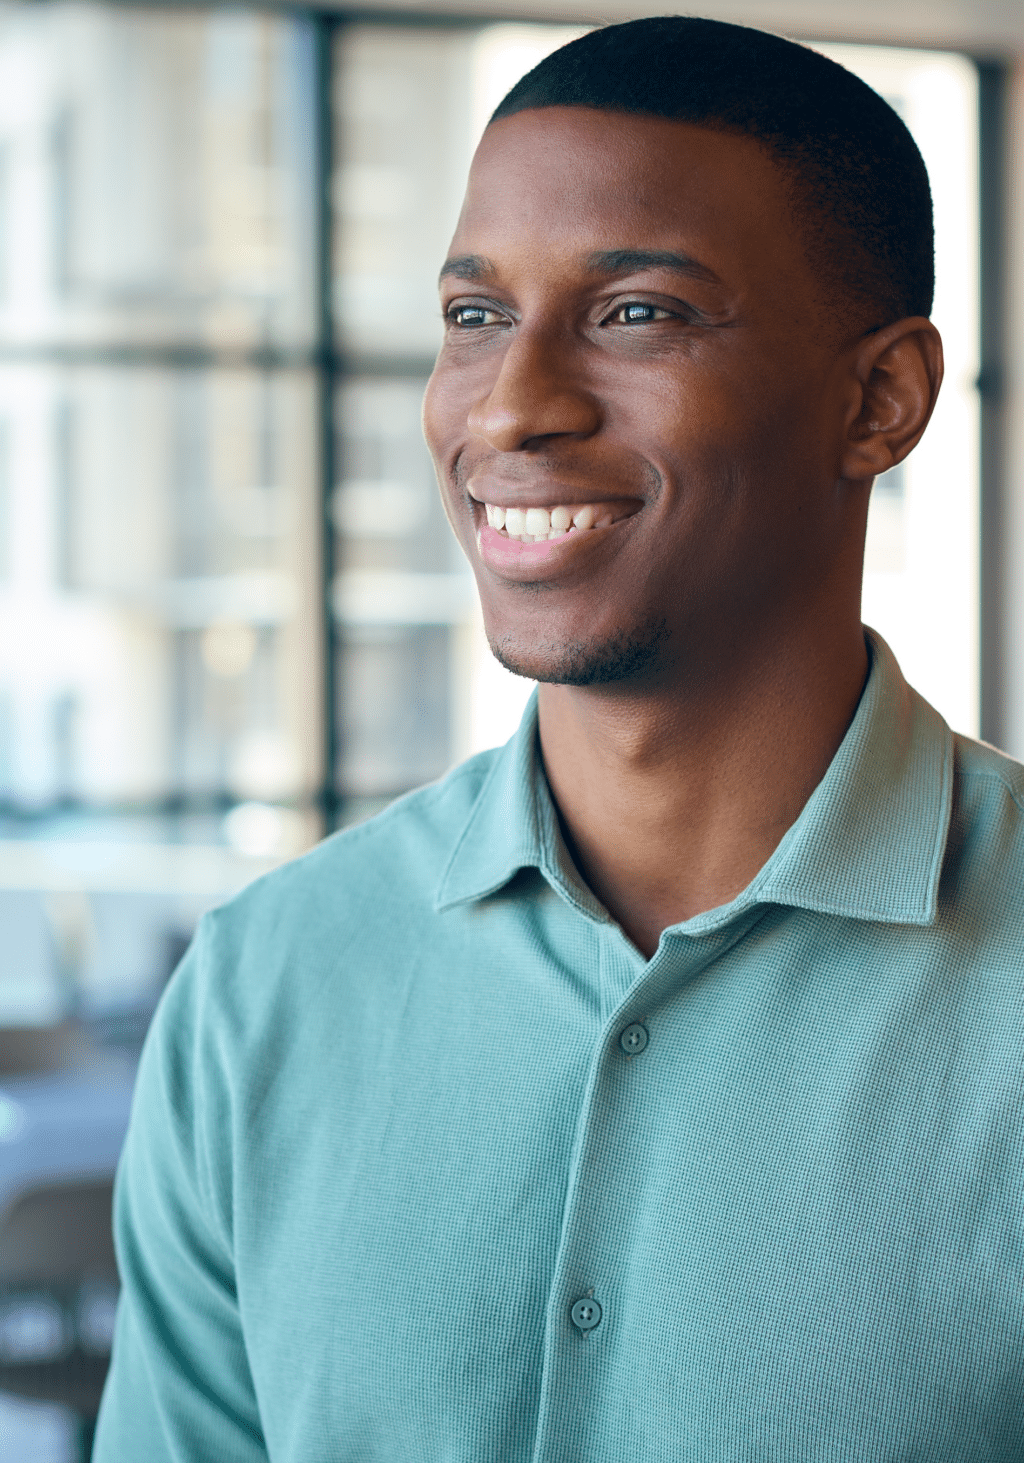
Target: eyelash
656	312
453	313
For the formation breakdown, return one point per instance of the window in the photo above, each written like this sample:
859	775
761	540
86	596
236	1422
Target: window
234	612
159	492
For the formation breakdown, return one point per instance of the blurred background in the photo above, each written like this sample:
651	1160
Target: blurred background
232	615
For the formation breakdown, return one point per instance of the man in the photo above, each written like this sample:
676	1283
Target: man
648	1089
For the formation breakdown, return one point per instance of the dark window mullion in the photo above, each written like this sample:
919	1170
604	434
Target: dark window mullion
995	573
326	28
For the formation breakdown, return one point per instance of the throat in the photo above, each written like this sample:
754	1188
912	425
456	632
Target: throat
671	807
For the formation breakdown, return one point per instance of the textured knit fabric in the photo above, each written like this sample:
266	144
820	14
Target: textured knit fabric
386	1135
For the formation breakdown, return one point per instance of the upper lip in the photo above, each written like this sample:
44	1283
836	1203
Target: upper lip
546	498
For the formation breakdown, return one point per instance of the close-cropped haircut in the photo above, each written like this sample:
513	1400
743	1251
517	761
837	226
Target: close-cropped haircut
857	182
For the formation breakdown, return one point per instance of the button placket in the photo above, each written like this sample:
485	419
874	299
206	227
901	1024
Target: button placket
588	1246
621	967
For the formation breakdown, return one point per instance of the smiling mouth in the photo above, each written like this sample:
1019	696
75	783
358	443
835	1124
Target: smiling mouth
535	525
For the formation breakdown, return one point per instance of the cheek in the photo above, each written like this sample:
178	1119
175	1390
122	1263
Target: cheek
721	423
691	429
443	444
436	427
683	404
451	392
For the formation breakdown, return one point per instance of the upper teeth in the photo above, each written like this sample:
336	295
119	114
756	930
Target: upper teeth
531	524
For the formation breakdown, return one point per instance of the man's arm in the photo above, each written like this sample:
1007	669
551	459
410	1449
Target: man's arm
180	1387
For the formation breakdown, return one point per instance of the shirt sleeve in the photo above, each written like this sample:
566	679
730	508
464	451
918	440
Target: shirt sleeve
180	1386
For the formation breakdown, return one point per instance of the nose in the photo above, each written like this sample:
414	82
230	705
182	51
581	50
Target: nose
538	394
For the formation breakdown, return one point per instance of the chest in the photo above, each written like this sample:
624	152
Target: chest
801	1225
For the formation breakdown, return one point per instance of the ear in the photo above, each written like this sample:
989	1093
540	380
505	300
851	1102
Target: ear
895	375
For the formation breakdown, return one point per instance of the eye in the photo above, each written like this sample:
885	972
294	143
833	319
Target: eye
471	317
635	312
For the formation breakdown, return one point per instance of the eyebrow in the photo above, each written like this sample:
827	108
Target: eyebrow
610	262
615	262
471	267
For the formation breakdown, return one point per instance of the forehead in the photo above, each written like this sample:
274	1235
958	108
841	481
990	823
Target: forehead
568	179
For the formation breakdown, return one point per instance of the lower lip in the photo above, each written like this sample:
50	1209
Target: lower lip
501	552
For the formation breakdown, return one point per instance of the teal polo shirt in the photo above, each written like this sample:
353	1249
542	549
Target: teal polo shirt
427	1164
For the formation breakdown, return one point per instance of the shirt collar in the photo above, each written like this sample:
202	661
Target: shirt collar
869	843
506	830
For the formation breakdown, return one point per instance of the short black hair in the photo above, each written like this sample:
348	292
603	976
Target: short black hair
858	183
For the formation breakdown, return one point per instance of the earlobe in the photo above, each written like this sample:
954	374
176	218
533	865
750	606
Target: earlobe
897	372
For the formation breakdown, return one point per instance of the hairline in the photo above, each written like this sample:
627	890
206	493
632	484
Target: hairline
801	209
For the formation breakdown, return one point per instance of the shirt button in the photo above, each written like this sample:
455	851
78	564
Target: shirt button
586	1314
634	1039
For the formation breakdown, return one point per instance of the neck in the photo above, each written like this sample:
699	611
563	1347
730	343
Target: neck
673	796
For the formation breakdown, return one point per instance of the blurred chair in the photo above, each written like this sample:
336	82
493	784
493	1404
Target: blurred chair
58	1289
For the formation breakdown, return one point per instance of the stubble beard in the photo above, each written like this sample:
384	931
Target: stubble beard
622	657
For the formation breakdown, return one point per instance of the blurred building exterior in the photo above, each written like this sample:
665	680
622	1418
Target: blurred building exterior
232	614
159	588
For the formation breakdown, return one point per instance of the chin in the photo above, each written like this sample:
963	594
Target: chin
628	656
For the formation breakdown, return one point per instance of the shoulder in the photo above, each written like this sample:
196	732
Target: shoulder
404	848
989	790
989	773
984	865
359	901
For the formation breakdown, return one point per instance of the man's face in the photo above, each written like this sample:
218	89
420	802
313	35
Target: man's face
634	337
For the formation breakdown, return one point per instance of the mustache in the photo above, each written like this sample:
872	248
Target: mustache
526	469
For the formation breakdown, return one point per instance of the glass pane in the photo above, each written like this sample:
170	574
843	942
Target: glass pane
410	104
403	108
402	597
157	671
155	177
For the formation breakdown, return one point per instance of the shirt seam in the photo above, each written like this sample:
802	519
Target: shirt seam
994	777
431	791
